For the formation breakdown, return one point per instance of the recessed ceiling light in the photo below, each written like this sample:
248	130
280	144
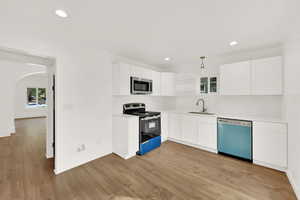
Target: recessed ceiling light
61	13
167	59
233	43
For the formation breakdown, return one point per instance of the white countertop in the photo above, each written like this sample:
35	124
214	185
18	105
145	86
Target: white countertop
222	115
235	116
124	115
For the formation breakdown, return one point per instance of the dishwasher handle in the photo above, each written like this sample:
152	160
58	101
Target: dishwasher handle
235	122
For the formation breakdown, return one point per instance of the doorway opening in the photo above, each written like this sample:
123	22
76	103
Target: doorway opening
29	82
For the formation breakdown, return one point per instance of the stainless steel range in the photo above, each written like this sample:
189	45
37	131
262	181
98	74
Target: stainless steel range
149	126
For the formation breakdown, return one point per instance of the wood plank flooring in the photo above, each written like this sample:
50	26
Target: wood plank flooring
173	171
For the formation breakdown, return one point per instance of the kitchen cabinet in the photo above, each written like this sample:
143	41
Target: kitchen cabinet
270	144
190	129
213	84
156	79
267	76
175	126
235	79
164	126
141	72
121	79
204	85
207	132
185	84
125	138
194	130
167	84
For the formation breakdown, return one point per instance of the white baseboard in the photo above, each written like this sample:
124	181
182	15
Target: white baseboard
59	171
7	133
193	145
293	183
269	165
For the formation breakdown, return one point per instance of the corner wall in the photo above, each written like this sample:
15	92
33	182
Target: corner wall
83	106
292	109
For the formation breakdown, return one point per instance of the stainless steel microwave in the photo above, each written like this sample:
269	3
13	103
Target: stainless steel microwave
140	85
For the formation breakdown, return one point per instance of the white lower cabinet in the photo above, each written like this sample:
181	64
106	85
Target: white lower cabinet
208	132
164	126
175	126
125	138
195	130
190	129
270	144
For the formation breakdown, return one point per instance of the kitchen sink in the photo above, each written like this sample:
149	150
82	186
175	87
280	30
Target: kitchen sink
202	113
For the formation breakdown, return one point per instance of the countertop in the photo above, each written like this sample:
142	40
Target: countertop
125	115
254	118
235	116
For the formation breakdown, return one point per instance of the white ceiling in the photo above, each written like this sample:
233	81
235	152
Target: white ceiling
144	30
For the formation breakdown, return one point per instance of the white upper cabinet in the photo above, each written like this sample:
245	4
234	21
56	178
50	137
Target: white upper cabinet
267	76
235	79
156	79
167	84
185	85
256	77
121	79
140	72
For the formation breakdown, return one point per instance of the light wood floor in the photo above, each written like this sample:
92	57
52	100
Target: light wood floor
173	171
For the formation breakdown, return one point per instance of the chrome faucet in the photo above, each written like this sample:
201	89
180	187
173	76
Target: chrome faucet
203	104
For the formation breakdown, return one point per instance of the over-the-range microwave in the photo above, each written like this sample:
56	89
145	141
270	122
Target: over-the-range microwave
140	85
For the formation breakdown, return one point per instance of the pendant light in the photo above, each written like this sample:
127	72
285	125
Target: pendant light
202	64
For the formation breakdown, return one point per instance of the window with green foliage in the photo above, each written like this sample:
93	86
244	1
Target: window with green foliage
36	96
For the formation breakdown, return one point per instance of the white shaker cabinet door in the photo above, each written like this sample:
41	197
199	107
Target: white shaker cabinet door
156	85
235	79
121	79
190	129
208	132
270	144
267	76
164	126
167	84
175	126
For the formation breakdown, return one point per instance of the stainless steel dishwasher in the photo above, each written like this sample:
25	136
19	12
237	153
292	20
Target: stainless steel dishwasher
235	138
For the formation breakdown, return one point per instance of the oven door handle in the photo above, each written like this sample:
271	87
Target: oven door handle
149	118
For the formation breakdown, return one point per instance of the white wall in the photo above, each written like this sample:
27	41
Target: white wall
9	75
22	110
292	109
83	105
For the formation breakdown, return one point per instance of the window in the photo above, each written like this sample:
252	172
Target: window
36	96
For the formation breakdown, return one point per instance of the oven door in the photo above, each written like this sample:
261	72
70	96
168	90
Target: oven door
150	127
140	86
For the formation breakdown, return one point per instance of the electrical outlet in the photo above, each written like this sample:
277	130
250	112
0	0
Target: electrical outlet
81	148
